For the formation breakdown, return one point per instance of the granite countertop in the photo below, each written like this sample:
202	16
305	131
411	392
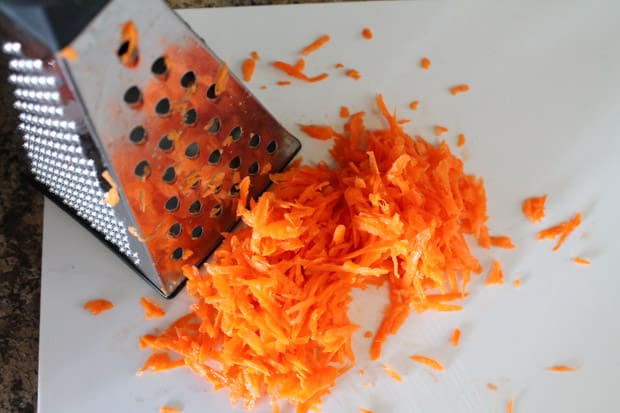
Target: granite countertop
21	219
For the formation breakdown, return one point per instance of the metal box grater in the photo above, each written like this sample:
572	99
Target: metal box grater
135	127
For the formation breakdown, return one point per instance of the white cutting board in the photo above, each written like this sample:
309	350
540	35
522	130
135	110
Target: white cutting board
542	116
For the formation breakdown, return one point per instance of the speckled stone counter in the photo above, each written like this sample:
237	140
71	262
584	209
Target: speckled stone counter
21	218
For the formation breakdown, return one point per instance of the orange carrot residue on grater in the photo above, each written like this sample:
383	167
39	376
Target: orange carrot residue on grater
221	78
151	309
128	49
98	306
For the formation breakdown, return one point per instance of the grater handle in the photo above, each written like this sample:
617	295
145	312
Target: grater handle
53	23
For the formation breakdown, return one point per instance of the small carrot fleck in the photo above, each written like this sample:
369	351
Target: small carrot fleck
510	406
354	74
562	369
362	410
425	63
316	45
368	334
296	71
491	387
496	275
263	87
338	65
392	373
461	140
502	242
562	230
69	53
367	385
255	55
455	90
440	130
168	409
248	69
362	372
534	208
283	82
344	112
414	105
429	362
456	337
221	79
581	261
367	33
151	309
96	307
517	283
319	132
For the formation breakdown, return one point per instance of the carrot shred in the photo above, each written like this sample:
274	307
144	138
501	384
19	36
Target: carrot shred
502	242
168	409
98	306
496	275
221	79
362	410
69	53
456	337
338	65
354	74
581	261
461	140
112	197
296	71
151	309
344	112
247	69
414	105
368	334
491	387
517	283
316	45
367	33
159	361
534	208
455	90
394	375
440	130
319	132
561	369
425	63
560	231
510	406
284	82
429	362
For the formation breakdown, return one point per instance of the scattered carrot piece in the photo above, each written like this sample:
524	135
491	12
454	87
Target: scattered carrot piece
168	409
69	53
510	406
354	74
496	275
221	79
425	63
362	410
319	132
362	372
112	197
344	112
502	242
284	82
562	369
151	309
456	337
263	87
491	387
517	283
562	231
338	65
534	208
98	306
255	55
367	33
461	140
159	362
316	45
248	69
581	261
440	130
459	89
368	334
429	362
296	72
391	373
414	105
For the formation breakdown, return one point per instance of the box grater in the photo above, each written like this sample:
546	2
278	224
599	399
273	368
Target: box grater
136	128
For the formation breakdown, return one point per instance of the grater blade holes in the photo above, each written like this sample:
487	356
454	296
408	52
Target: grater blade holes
236	133
234	190
254	141
188	79
133	97
159	68
196	184
177	254
190	117
235	163
163	107
253	168
197	232
216	211
192	151
137	135
272	147
170	175
143	169
166	144
127	52
172	204
175	230
214	125
215	157
195	208
211	92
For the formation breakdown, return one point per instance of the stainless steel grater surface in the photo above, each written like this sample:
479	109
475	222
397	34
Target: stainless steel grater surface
136	127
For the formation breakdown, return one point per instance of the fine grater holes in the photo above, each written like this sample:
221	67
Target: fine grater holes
234	190
177	254
172	204
143	170
137	135
159	68
188	79
253	168
215	157
216	211
235	163
170	175
192	151
195	208
175	230
197	232
163	107
272	147
214	126
166	144
211	92
217	189
196	184
133	97
190	117
127	51
236	133
254	141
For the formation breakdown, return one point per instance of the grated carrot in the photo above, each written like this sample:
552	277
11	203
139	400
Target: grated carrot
414	105
255	55
316	45
455	90
496	275
159	361
581	261
461	140
168	409
69	53
425	63
296	71
392	373
221	79
338	65
247	69
362	372
440	130
491	387
98	306
319	132
502	242
429	362
151	309
456	337
344	112
560	231
510	406
534	208
368	334
517	283
283	82
263	87
562	369
354	74
362	410
112	197
367	33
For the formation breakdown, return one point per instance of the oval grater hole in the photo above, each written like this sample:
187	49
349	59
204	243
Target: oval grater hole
196	184
234	190
195	208
133	97
177	254
271	147
190	117
162	108
142	170
188	79
192	151
215	157
236	133
137	135
175	230
197	232
159	67
166	144
127	52
235	163
211	92
172	204
218	189
214	125
170	175
216	211
254	141
253	168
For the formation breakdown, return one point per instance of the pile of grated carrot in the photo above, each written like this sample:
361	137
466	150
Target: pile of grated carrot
270	318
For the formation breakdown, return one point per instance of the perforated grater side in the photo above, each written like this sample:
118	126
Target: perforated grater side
135	127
